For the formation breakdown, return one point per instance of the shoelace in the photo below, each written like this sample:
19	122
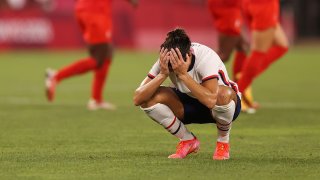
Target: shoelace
221	149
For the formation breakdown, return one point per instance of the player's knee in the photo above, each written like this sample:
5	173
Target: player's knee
224	95
156	98
225	106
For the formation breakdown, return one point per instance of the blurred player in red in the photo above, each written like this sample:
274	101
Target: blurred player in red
94	18
269	42
227	16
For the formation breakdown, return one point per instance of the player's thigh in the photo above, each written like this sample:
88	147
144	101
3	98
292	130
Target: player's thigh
280	39
262	40
263	22
227	44
166	95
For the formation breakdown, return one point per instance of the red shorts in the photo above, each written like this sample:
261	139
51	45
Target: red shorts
262	15
227	19
96	27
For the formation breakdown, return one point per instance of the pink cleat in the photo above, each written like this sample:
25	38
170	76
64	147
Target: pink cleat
222	151
186	147
50	83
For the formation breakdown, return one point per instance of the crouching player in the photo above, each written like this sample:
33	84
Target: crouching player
202	93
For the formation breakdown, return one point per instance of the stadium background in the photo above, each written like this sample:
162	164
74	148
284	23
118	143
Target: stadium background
51	24
63	140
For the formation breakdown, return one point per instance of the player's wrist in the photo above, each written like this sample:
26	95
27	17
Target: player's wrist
183	76
163	75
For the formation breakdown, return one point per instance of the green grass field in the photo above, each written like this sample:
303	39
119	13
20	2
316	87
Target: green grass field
63	140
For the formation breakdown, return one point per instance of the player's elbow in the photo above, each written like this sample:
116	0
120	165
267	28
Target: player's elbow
137	101
137	98
209	100
210	103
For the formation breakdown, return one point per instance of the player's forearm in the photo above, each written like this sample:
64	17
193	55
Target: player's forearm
146	91
205	96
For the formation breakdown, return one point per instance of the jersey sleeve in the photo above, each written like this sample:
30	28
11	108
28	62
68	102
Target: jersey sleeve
209	68
155	70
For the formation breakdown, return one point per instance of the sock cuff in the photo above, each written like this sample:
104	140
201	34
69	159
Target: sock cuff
149	108
225	108
258	53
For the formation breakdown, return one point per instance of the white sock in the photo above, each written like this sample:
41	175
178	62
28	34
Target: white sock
224	116
163	115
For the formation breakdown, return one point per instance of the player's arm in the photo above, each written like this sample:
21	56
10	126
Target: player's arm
206	93
149	86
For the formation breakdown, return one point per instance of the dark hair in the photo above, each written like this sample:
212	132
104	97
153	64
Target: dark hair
177	39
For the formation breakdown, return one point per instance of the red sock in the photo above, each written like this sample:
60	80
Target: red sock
78	67
238	63
274	53
100	75
251	69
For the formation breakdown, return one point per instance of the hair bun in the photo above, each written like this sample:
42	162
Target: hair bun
177	33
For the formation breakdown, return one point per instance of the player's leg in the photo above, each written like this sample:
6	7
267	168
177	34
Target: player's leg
54	77
102	53
264	20
261	42
227	44
79	67
225	111
242	49
279	48
166	109
97	27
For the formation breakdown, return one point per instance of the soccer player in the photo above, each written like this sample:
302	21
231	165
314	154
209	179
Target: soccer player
269	42
202	93
227	19
94	18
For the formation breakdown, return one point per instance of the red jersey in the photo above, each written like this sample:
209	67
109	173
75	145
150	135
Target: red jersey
93	5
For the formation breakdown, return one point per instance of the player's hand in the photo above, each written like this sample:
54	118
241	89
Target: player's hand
179	66
164	61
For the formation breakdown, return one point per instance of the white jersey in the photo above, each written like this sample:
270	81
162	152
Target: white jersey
205	65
